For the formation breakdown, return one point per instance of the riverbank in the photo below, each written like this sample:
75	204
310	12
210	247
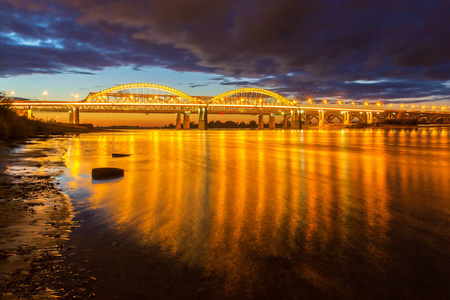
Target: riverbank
58	128
35	220
18	127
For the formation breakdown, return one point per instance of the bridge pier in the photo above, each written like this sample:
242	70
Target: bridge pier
401	115
71	115
76	115
178	122
321	118
29	113
186	121
272	121
346	118
369	117
202	118
295	120
285	119
260	122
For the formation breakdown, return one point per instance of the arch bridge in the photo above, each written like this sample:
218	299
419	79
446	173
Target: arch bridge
155	98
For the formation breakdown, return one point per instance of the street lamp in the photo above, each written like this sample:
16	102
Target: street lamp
45	95
12	95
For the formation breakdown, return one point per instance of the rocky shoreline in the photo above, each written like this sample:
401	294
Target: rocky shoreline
35	221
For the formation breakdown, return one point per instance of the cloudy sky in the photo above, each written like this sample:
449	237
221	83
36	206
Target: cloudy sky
392	50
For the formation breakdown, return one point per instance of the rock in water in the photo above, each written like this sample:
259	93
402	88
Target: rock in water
119	155
107	173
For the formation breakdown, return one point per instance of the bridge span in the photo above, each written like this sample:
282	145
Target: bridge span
154	98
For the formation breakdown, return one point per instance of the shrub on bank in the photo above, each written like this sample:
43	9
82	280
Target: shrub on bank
15	127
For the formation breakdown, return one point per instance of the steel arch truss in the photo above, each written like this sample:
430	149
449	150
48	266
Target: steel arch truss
119	94
251	96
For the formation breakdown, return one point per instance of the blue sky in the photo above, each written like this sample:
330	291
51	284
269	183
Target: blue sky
62	86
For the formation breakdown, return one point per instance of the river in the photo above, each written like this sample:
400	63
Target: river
262	214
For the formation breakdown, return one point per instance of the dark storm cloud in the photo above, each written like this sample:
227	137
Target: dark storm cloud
43	42
389	89
288	45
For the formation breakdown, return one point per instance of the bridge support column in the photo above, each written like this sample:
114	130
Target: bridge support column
300	112
321	118
260	122
272	121
346	118
285	119
71	115
178	122
29	113
401	115
203	118
295	122
369	117
186	121
76	115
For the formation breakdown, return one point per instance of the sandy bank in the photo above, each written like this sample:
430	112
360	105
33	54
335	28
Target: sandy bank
35	220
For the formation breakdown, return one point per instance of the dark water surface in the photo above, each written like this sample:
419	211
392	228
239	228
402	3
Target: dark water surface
263	214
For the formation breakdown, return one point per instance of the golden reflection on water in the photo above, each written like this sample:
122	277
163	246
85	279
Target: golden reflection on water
229	201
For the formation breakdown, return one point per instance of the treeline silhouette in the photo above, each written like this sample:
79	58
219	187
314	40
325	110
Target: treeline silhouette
15	127
401	122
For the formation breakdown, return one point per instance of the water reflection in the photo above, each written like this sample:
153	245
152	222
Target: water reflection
316	209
